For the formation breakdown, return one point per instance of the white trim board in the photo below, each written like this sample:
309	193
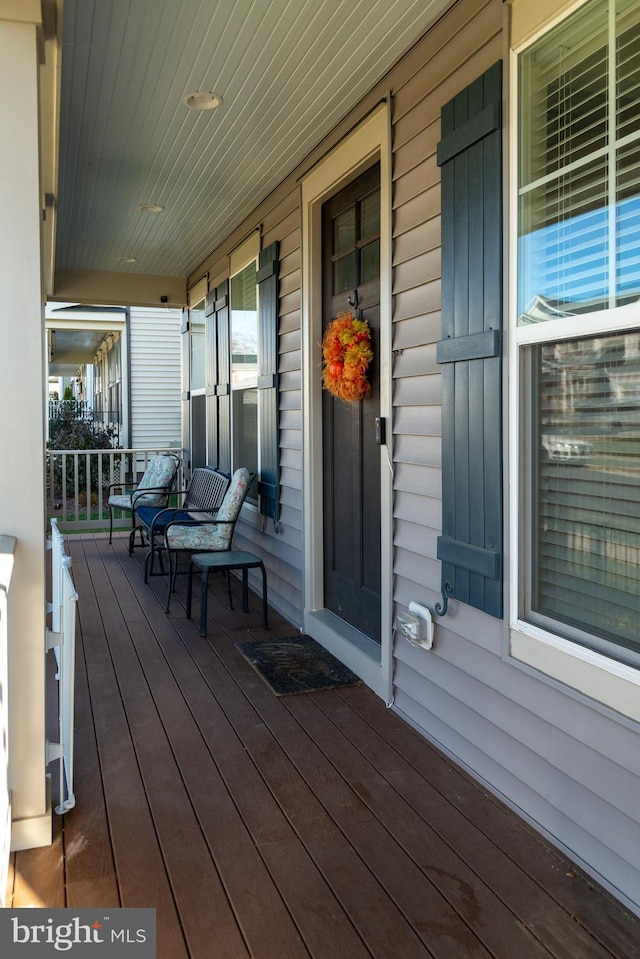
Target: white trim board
371	140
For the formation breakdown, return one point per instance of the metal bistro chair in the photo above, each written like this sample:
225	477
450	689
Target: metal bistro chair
203	535
153	489
201	501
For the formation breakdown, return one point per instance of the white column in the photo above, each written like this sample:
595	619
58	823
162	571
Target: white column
22	403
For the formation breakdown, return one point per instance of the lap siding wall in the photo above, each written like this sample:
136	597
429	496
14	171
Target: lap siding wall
569	767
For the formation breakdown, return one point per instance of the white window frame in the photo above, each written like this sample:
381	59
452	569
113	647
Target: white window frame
197	306
248	252
605	681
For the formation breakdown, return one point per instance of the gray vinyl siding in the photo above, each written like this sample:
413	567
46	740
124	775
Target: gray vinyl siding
154	337
569	767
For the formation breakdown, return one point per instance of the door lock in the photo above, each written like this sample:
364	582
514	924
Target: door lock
381	430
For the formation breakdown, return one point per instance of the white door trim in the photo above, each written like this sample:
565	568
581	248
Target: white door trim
371	140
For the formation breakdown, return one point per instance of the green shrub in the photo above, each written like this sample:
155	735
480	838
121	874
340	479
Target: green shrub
68	433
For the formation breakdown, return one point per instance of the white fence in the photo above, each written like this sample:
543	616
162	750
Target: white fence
62	639
7	550
78	484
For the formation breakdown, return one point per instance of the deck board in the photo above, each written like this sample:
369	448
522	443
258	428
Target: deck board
140	865
435	821
614	927
304	827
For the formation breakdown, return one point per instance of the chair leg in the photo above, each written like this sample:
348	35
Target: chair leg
204	589
228	575
111	525
151	557
148	560
166	609
264	595
189	589
245	590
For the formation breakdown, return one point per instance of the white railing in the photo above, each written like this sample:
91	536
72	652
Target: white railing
62	639
78	484
7	550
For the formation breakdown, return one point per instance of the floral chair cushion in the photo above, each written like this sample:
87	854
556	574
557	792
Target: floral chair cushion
159	476
213	535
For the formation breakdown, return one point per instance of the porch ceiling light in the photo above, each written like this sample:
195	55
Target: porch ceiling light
128	259
149	208
202	100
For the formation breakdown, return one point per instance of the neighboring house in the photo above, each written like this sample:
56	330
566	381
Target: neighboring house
153	420
125	365
479	205
86	345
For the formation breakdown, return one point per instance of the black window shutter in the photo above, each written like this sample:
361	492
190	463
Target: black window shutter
269	482
470	155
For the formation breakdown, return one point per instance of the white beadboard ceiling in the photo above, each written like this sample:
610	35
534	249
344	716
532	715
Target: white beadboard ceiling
288	71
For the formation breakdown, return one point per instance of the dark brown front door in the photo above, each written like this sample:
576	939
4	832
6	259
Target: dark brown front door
351	272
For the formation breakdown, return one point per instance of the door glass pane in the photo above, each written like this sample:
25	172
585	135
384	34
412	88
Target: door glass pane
197	330
345	274
370	262
369	216
344	231
586	509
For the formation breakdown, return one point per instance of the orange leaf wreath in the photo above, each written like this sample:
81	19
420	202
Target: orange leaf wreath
346	354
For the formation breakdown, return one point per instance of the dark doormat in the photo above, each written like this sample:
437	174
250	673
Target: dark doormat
296	664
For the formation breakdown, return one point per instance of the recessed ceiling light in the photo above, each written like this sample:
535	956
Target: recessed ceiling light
128	259
202	100
149	208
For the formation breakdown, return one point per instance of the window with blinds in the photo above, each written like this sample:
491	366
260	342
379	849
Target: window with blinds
579	208
579	255
586	488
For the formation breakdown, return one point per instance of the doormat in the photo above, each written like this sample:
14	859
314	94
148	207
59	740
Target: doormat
296	664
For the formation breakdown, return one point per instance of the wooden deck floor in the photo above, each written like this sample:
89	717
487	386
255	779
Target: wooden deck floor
313	825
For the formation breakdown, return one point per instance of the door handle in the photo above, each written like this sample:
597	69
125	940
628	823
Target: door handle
381	430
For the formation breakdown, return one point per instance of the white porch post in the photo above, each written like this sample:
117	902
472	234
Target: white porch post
22	435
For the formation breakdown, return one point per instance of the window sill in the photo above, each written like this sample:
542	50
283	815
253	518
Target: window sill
614	685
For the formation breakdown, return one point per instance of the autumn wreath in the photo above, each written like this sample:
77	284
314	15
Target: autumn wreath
346	353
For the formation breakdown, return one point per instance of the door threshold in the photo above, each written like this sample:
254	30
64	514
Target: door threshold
357	651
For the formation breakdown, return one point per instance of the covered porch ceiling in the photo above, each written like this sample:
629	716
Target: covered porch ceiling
76	334
286	71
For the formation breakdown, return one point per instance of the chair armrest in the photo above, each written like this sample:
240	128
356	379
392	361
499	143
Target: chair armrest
138	493
211	521
208	511
121	485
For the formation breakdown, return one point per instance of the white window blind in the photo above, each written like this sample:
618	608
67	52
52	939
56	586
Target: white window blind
586	535
578	255
579	247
